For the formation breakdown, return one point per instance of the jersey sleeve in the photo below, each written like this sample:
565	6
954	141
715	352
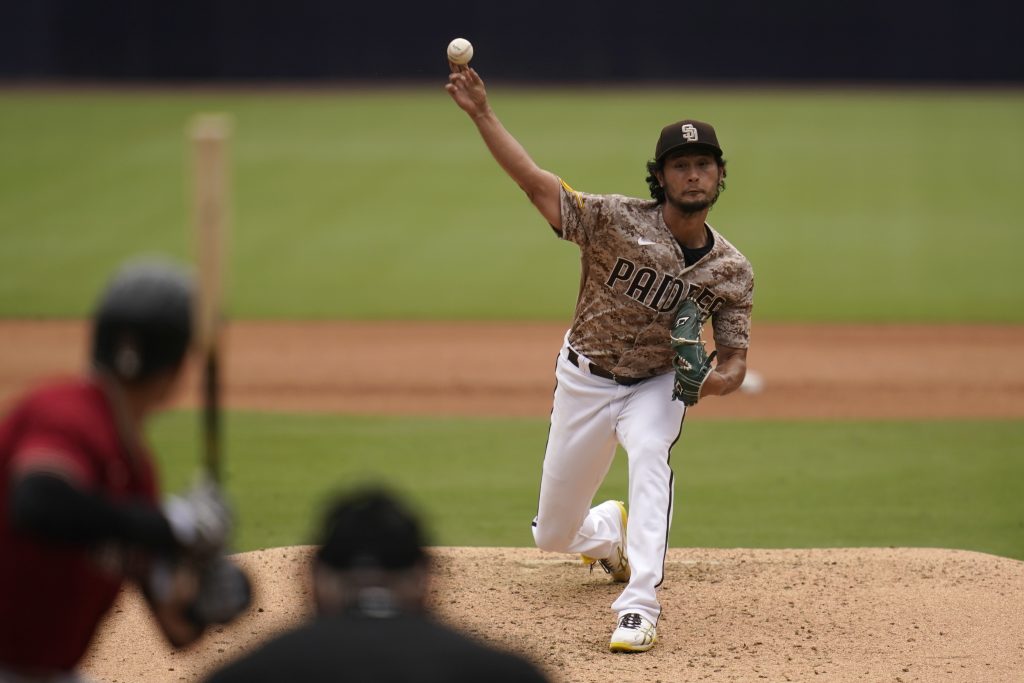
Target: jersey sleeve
580	213
731	323
53	441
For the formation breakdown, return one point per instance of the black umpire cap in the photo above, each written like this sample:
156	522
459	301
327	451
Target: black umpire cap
687	134
371	529
143	321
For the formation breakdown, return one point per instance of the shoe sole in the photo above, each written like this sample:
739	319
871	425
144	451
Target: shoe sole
629	648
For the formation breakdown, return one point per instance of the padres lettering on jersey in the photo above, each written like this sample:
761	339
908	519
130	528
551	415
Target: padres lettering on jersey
633	278
667	295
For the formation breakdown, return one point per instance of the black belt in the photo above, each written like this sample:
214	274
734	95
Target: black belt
574	358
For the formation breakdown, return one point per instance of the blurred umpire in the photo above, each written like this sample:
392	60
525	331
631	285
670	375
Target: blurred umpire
370	583
79	496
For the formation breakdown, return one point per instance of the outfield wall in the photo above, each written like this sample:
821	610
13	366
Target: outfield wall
873	40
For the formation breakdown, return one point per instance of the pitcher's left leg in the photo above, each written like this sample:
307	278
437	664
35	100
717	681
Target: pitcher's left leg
649	425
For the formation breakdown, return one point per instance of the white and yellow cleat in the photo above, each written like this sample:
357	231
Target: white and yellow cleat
633	634
617	564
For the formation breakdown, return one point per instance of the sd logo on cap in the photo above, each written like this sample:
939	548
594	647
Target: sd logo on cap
687	133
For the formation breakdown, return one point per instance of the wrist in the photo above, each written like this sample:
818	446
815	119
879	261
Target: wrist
481	115
712	385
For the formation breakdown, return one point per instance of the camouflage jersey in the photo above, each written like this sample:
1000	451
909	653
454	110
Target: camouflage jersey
633	277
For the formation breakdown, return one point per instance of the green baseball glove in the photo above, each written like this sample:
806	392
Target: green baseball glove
692	362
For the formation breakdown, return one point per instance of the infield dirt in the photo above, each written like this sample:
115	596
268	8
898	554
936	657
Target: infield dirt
895	615
730	615
507	369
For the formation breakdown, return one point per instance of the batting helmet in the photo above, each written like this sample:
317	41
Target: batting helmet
143	321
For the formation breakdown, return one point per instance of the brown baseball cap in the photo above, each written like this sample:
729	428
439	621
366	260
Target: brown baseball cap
687	133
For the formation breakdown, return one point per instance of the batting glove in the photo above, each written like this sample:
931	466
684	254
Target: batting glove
200	519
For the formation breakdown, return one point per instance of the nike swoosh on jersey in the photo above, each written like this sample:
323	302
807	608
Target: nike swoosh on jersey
644	242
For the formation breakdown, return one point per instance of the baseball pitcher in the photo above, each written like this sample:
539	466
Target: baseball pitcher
653	271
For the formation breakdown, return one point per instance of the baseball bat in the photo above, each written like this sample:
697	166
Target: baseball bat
210	134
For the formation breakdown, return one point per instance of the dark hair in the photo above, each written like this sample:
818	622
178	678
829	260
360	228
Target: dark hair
658	192
142	324
371	529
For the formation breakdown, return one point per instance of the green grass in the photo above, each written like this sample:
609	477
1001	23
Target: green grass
739	484
852	205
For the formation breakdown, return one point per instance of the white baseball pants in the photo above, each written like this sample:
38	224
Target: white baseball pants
590	415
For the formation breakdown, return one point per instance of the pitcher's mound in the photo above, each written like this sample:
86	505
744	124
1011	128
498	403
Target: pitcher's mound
729	615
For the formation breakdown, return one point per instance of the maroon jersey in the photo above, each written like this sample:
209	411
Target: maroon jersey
52	596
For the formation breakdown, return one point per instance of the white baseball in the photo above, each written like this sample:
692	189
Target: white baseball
753	383
460	51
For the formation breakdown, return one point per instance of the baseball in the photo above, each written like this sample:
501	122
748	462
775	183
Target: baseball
460	51
753	383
